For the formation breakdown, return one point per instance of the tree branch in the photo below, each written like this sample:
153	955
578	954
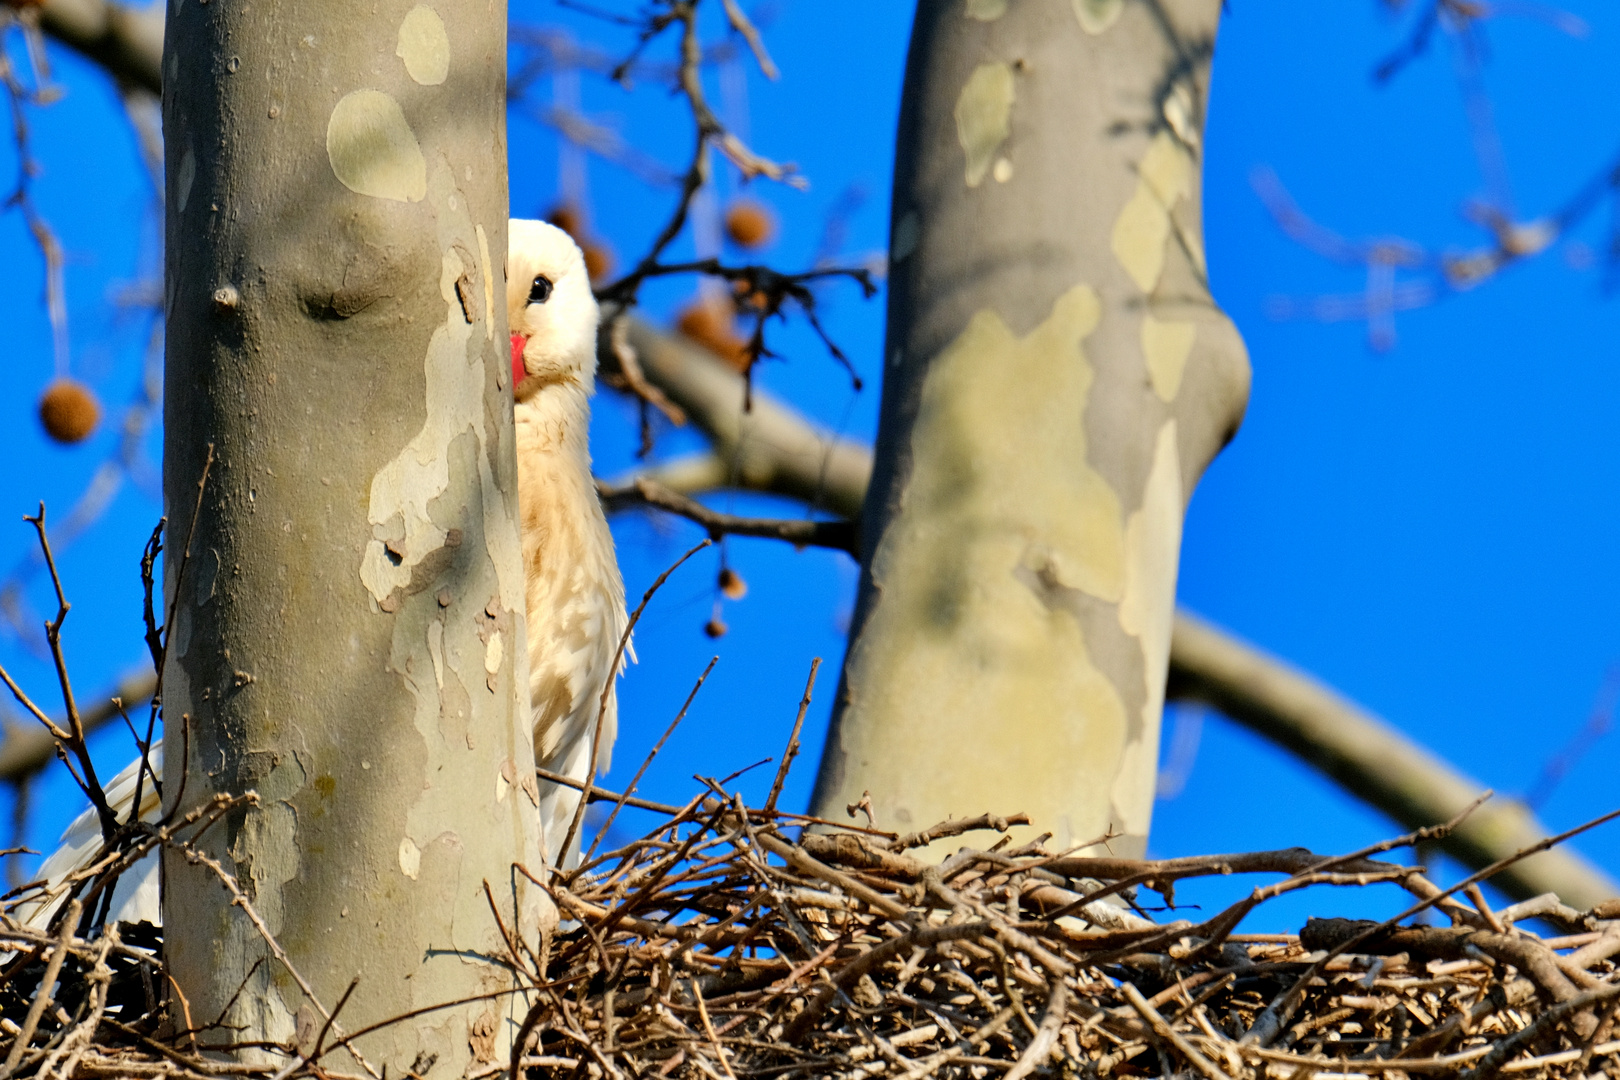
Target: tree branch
641	491
26	750
770	447
1371	760
126	41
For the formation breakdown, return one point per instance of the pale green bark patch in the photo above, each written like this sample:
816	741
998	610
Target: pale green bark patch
1152	545
424	46
410	858
1165	348
972	673
487	284
1143	226
983	117
1097	15
373	150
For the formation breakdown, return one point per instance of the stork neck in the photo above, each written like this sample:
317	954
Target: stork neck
555	419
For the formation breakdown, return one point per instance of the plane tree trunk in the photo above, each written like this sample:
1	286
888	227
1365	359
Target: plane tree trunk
1056	379
348	637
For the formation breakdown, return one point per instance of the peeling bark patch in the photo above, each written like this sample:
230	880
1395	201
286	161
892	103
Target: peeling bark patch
373	150
983	117
184	179
481	1036
957	615
907	231
464	296
435	640
488	283
424	46
1097	15
403	532
494	652
1152	545
1165	347
410	858
1143	226
986	10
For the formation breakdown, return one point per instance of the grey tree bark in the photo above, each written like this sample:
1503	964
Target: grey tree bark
348	639
1056	379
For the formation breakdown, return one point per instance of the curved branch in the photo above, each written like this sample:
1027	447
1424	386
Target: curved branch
127	42
769	447
801	532
1371	760
26	750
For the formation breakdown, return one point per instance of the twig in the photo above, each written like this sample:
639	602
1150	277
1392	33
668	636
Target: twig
792	750
838	535
47	985
622	800
607	691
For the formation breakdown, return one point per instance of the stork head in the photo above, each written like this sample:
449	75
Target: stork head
550	308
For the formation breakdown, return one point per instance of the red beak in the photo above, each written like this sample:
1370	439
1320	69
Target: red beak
518	372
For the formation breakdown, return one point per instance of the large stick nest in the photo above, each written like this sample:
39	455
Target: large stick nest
721	946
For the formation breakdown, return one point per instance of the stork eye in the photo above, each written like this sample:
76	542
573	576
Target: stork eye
540	291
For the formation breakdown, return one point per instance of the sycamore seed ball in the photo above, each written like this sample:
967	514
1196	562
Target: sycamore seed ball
713	324
598	260
732	586
69	411
750	224
566	218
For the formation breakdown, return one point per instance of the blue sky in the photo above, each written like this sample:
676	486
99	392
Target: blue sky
1432	529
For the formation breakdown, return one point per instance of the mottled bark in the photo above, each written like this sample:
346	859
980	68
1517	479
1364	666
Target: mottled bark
1056	378
348	639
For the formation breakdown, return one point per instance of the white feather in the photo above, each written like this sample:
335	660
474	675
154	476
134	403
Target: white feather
135	897
575	595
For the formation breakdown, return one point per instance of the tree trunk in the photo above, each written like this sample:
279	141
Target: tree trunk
1056	379
348	637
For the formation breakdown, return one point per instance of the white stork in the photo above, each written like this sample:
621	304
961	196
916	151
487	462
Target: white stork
574	594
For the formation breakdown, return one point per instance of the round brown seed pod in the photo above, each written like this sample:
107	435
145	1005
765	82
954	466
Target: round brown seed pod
69	411
566	218
750	223
713	325
598	260
732	586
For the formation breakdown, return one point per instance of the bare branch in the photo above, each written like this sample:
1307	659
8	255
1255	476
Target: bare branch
839	535
27	750
126	41
1370	759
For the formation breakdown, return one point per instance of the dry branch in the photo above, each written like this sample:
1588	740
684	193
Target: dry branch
1370	759
127	41
26	750
720	946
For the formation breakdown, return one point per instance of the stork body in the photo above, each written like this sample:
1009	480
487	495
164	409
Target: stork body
573	591
574	594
